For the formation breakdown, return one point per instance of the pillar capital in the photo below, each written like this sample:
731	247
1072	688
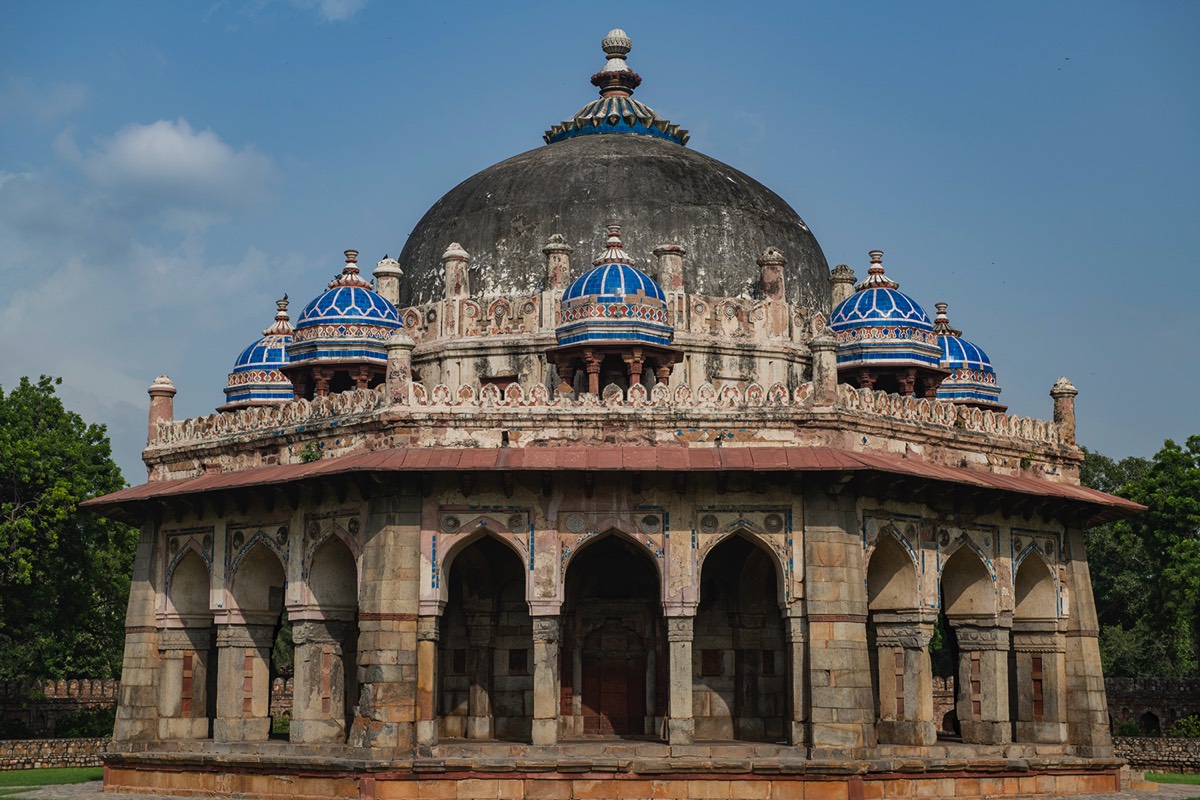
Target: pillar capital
427	628
545	630
679	629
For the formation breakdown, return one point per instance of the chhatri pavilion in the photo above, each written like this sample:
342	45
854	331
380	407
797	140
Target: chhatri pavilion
608	486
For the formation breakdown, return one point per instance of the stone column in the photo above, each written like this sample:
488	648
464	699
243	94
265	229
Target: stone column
824	370
137	698
546	680
1064	393
1041	702
319	693
982	683
841	283
558	263
399	367
427	646
681	726
670	267
905	678
183	683
1087	704
387	280
162	405
479	672
795	633
454	264
770	268
842	713
243	683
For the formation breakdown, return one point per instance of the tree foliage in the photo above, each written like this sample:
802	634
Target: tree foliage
64	573
1146	570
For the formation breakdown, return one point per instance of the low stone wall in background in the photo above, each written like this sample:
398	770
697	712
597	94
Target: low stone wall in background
38	753
1159	754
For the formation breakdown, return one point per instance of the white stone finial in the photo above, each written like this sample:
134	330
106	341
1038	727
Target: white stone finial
617	45
1063	388
456	252
283	323
162	385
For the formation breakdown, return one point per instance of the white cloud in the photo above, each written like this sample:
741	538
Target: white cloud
21	98
168	165
331	10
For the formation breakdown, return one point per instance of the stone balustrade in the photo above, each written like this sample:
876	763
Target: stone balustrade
362	403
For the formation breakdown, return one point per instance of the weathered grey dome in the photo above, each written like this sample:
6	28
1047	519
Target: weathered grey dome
658	190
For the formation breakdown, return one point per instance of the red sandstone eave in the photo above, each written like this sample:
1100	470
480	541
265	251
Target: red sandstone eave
1101	507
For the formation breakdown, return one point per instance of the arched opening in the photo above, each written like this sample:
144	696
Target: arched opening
486	665
1037	666
739	670
899	633
187	699
325	642
247	648
613	656
1149	724
968	598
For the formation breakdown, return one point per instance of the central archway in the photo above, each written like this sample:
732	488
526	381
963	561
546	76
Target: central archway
613	654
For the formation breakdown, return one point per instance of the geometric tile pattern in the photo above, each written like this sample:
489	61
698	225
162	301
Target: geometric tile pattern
256	377
972	377
879	325
347	322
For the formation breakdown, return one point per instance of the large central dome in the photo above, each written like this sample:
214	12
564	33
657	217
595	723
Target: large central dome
615	159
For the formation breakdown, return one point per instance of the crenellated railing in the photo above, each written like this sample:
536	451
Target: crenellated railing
364	403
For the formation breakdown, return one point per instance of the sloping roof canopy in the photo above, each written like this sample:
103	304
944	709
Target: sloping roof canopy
1097	506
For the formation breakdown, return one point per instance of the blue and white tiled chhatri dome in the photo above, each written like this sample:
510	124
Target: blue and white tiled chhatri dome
348	323
614	303
257	377
972	379
880	326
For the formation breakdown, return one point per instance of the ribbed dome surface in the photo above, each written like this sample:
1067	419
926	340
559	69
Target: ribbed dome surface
663	192
871	307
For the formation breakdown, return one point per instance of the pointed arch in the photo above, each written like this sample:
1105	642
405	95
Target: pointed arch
891	576
1035	592
188	584
759	541
333	577
487	528
259	574
968	586
588	540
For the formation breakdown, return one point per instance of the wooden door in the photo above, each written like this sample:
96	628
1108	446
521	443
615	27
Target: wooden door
614	696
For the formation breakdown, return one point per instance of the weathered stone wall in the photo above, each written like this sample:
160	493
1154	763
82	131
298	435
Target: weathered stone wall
39	753
1159	754
39	704
1152	703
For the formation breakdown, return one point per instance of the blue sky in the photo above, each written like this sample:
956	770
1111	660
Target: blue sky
167	169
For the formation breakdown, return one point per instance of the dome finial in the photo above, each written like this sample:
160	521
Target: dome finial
875	278
350	276
283	323
614	252
616	77
941	322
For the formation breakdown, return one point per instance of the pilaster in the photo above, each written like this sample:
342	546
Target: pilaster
681	725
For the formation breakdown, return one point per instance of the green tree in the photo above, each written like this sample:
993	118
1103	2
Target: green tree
1146	570
64	573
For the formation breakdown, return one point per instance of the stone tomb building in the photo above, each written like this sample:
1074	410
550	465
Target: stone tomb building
678	520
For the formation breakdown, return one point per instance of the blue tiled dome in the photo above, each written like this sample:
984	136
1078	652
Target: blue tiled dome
614	302
972	379
879	325
348	322
257	377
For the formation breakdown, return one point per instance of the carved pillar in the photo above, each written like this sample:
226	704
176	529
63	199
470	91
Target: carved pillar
427	645
319	693
663	375
1039	657
454	264
479	671
321	378
183	683
841	282
824	369
1064	393
670	267
137	698
982	683
387	280
592	362
558	263
162	405
770	267
905	679
243	683
399	367
795	633
1087	704
681	726
907	378
546	680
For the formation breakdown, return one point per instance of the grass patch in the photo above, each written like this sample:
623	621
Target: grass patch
1166	777
50	777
